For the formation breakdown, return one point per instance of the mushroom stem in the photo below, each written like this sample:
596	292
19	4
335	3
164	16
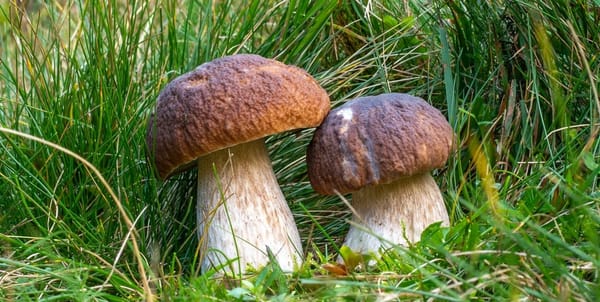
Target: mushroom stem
392	213
243	211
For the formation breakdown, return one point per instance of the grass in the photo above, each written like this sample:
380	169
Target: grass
82	216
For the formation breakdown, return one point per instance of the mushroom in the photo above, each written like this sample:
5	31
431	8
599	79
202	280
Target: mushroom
216	117
382	148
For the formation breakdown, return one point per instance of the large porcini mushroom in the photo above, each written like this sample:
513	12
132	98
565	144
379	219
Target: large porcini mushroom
382	148
216	117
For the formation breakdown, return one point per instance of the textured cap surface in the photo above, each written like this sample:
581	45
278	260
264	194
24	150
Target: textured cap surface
376	140
228	101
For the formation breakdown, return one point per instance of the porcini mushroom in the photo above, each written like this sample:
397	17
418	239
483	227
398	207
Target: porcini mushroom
216	117
382	148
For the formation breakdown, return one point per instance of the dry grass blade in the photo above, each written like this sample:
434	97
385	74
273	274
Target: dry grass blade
149	296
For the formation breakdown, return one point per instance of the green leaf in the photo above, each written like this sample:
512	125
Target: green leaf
589	161
351	258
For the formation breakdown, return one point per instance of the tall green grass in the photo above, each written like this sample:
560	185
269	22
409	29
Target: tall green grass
83	218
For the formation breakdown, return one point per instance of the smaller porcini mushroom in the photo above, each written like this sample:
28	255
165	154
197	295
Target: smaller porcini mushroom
382	148
216	117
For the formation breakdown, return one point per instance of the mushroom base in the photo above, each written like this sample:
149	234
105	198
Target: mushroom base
242	213
394	213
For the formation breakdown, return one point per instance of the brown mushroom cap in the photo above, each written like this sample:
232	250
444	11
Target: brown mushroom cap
229	101
376	140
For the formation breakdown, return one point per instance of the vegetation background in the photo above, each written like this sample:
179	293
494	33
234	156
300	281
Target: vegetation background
83	218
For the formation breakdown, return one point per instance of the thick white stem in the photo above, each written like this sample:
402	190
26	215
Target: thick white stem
241	211
395	212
